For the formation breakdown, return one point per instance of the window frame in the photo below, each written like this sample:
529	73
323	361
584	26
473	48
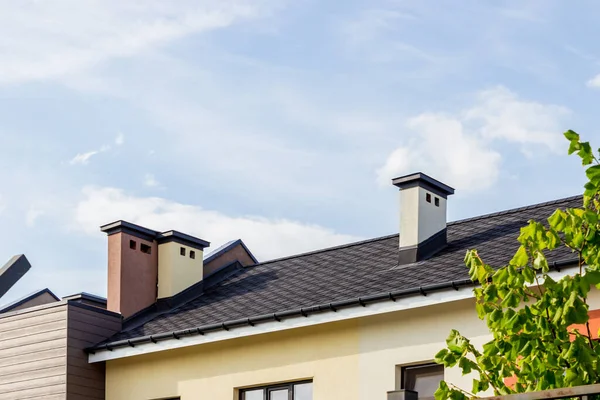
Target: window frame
274	387
402	370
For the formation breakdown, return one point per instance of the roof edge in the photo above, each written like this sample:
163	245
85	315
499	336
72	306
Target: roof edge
362	301
16	303
222	250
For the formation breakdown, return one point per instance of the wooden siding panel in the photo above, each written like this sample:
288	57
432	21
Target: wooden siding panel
56	391
31	374
24	367
98	321
58	396
19	389
33	353
57	353
33	348
49	326
16	321
87	327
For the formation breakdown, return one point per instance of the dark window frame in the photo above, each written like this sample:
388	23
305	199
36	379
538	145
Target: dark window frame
271	388
404	369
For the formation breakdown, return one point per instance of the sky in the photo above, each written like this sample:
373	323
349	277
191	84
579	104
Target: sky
277	122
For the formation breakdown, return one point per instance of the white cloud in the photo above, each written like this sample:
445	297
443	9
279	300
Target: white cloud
594	82
84	158
267	238
150	181
443	149
42	40
32	215
120	139
461	149
502	115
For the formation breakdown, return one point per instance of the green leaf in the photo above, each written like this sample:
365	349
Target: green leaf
593	174
573	147
456	342
592	277
442	392
520	258
501	276
571	135
466	365
439	357
540	262
558	220
528	274
571	375
586	154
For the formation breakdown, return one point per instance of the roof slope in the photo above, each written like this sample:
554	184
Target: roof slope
350	271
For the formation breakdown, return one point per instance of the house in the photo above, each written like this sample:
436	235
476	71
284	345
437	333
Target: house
361	321
43	337
351	322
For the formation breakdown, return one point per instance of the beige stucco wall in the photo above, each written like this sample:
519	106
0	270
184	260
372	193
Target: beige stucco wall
177	272
350	360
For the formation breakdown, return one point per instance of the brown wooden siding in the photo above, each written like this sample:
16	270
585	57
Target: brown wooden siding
42	352
33	349
87	326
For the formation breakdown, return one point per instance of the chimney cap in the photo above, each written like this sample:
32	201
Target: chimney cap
178	237
129	228
425	181
151	235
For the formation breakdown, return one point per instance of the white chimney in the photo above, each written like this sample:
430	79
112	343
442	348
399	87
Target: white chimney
422	216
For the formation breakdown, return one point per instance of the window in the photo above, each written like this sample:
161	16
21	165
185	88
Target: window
424	379
182	251
192	254
437	201
145	248
286	391
428	197
132	244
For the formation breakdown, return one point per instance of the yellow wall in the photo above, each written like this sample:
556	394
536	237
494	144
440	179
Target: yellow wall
177	272
349	360
327	354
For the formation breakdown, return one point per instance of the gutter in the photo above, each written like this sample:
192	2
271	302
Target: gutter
304	312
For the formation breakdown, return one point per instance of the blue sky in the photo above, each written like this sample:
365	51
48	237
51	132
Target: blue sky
278	122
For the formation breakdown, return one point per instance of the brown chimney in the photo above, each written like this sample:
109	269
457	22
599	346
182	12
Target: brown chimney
132	267
145	265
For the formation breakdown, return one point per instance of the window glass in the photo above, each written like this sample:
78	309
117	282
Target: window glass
280	394
303	391
253	394
424	379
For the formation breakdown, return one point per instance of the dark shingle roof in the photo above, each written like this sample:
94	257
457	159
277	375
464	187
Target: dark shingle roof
349	271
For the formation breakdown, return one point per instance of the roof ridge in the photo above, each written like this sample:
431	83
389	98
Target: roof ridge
515	210
341	246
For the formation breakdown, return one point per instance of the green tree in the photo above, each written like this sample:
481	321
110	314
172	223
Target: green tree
529	314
